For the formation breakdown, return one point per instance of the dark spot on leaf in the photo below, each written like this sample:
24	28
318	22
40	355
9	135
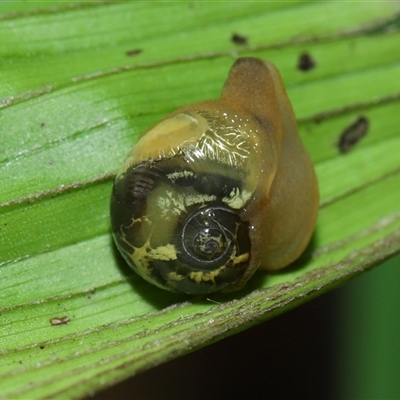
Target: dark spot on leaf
133	52
305	62
353	134
238	39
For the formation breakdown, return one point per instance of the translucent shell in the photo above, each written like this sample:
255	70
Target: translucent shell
217	189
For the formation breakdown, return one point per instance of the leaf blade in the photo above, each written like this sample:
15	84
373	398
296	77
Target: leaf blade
59	179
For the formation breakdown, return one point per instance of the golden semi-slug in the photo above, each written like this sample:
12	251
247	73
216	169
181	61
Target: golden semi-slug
217	189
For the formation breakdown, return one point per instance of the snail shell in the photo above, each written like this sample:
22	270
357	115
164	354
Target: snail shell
217	189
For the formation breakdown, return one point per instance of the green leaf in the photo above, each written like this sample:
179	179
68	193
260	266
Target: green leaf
80	82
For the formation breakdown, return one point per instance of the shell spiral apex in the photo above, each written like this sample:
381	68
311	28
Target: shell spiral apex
217	189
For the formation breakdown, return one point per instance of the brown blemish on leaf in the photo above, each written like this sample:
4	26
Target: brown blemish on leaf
59	320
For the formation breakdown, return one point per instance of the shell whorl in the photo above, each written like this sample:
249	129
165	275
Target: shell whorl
178	220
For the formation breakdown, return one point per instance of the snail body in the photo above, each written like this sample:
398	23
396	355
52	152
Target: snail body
217	189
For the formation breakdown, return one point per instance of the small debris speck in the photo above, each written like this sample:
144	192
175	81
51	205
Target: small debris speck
238	39
353	134
59	320
305	62
134	52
